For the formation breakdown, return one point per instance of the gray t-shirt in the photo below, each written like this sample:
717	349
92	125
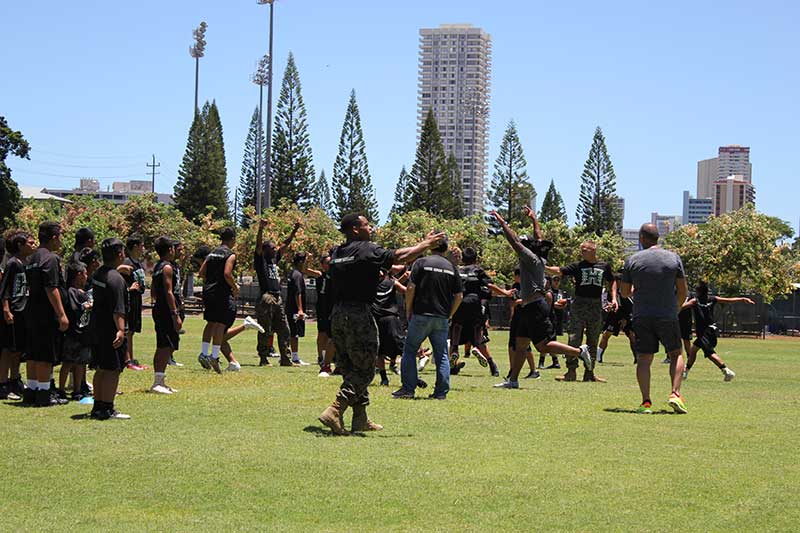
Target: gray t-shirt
653	273
531	273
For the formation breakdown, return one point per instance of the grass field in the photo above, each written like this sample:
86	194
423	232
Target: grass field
245	451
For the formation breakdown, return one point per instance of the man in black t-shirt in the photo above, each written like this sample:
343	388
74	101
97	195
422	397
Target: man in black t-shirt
166	313
134	279
269	308
432	297
45	317
108	330
355	274
296	305
325	347
586	314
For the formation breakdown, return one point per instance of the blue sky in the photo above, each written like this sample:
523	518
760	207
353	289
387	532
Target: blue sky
97	87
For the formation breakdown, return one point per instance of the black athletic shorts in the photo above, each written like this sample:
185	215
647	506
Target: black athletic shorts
685	321
220	311
134	316
44	343
470	322
534	322
707	340
106	357
652	331
391	338
75	351
613	323
297	328
324	321
166	336
13	337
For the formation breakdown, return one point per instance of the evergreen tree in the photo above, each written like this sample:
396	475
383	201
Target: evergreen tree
11	142
247	180
552	206
293	173
352	185
202	177
510	190
430	188
401	193
322	193
453	204
597	205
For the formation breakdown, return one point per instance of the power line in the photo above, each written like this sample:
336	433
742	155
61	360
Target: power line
69	165
153	167
22	171
74	156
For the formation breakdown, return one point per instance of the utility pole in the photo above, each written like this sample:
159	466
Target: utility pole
268	154
153	167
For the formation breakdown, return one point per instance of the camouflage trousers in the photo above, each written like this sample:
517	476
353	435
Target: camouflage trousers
355	335
586	317
272	317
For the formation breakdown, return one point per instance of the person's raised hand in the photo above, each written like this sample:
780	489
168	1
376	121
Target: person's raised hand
434	237
496	216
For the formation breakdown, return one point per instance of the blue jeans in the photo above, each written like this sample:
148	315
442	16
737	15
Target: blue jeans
422	327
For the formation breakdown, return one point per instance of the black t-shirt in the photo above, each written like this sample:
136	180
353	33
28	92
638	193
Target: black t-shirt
476	283
704	313
42	272
137	275
14	285
385	303
110	294
437	282
266	266
158	289
355	271
625	307
296	285
214	284
323	286
589	277
77	313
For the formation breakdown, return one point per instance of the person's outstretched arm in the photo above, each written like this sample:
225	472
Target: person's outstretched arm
407	255
290	238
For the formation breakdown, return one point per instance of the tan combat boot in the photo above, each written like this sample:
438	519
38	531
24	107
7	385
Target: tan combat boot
332	417
361	422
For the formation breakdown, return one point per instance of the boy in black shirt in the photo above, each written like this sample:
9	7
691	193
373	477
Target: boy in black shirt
134	279
619	319
108	330
166	313
702	306
391	337
84	238
325	347
77	351
296	304
45	317
14	296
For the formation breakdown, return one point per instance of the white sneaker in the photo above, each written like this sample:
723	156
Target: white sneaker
116	415
233	367
300	362
479	356
586	357
324	374
729	374
160	389
507	384
251	323
171	389
422	362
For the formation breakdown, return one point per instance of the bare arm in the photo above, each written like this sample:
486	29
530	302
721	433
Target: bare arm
311	272
456	302
55	300
400	287
7	314
689	303
626	289
509	233
260	236
499	291
537	232
722	300
409	299
119	321
406	255
202	272
683	290
553	270
290	238
171	303
228	273
613	292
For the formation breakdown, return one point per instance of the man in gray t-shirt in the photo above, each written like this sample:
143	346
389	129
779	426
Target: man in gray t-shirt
657	282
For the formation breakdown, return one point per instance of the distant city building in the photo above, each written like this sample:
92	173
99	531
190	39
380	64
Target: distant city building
696	210
38	194
666	224
631	236
454	80
621	207
707	171
118	193
732	193
731	160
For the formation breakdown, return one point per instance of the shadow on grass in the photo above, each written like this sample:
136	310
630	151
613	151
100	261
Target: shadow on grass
635	412
81	416
323	432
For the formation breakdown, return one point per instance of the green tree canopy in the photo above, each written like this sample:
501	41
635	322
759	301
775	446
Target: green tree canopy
11	143
597	205
510	190
552	205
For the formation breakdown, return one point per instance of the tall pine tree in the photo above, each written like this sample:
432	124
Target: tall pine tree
202	177
553	206
352	185
322	193
293	173
247	179
402	194
597	205
430	185
511	190
11	143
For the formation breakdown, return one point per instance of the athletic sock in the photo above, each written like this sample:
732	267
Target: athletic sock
722	368
159	378
215	351
204	348
295	357
600	354
44	385
33	384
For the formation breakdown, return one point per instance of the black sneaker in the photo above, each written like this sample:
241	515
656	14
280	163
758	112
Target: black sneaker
263	360
58	397
437	396
384	382
403	394
100	414
493	368
4	390
44	398
85	390
533	374
60	394
394	369
421	384
17	386
173	362
29	397
454	370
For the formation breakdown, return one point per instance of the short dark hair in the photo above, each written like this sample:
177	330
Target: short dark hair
516	271
442	245
299	257
200	254
111	249
348	221
87	255
227	234
162	245
649	233
15	241
48	231
469	255
702	288
82	236
73	269
133	241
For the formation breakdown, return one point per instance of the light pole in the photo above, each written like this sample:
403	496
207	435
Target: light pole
268	181
197	50
259	77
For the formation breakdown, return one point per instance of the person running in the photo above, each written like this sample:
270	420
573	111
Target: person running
470	318
296	305
76	353
219	307
108	330
269	308
685	323
166	313
619	319
355	275
134	279
589	275
14	297
534	324
702	305
656	280
516	301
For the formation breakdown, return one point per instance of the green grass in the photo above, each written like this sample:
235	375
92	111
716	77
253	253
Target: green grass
245	451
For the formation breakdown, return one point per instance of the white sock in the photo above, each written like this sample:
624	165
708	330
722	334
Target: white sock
323	355
44	385
159	379
295	357
600	353
33	384
215	352
205	347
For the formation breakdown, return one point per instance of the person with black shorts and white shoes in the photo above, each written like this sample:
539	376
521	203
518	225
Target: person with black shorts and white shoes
219	306
166	314
296	305
702	305
108	330
14	296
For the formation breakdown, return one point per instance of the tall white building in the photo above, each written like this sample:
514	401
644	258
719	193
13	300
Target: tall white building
731	160
454	81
